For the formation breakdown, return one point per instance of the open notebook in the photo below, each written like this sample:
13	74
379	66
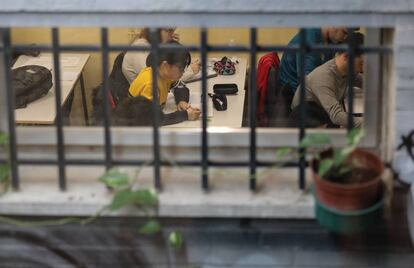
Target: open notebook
197	77
195	101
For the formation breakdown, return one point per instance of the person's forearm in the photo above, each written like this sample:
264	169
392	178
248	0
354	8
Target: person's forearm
341	119
174	118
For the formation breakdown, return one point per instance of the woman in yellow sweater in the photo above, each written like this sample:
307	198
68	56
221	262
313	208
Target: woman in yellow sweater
171	65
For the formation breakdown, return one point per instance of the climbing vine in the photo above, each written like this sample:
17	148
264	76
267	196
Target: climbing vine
125	195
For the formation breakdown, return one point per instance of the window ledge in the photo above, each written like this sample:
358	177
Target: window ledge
182	196
229	197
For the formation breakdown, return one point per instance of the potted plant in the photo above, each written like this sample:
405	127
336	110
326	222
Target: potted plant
347	183
345	178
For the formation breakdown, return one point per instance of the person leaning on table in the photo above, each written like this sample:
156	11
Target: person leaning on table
289	74
170	67
325	91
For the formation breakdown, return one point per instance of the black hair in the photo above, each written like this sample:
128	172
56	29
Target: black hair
171	55
354	29
136	111
145	33
357	40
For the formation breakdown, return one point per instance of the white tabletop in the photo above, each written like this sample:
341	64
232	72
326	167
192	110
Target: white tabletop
42	111
358	103
233	116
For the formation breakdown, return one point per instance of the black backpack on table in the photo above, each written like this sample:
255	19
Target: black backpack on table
30	83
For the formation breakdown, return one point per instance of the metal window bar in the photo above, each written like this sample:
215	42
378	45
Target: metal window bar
107	128
84	105
382	49
58	120
252	108
351	78
92	162
10	99
204	137
154	36
105	48
302	106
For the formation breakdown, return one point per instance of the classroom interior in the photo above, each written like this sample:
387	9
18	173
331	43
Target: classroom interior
92	72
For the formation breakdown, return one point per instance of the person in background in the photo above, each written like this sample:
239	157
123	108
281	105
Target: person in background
171	65
326	88
289	74
135	61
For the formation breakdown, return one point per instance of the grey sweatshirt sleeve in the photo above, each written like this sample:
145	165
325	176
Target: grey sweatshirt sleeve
326	97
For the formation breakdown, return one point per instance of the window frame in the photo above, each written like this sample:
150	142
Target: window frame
92	137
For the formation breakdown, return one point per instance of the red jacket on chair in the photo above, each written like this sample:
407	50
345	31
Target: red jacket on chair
265	64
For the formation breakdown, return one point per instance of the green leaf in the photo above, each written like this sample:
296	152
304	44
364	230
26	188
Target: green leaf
315	139
343	170
4	172
175	239
324	166
151	227
4	138
340	155
122	198
114	178
145	197
282	152
355	136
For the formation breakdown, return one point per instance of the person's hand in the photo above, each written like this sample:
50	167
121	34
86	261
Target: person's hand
193	113
182	105
175	37
195	66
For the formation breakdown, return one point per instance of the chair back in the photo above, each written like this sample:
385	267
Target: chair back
117	82
277	108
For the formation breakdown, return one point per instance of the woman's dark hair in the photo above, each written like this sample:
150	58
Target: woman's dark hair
172	55
357	40
136	111
145	34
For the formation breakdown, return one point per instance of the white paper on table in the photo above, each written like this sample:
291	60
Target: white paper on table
197	77
69	76
47	61
195	101
69	61
42	61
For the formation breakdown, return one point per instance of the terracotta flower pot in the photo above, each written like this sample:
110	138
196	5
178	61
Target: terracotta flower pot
353	196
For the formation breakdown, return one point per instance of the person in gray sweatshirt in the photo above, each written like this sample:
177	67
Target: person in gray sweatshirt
325	90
